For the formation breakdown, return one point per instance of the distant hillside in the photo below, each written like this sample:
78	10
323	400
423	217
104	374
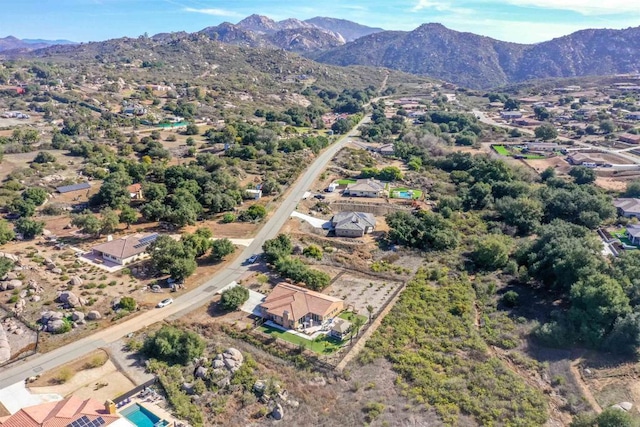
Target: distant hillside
349	30
480	62
13	43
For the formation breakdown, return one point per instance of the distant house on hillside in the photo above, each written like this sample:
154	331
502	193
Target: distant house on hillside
587	159
135	191
365	188
629	138
633	116
542	146
353	224
628	207
387	150
633	233
510	115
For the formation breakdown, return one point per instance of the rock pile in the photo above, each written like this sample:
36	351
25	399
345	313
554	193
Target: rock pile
5	349
52	321
230	360
69	299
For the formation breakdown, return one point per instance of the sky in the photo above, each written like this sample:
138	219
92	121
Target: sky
521	21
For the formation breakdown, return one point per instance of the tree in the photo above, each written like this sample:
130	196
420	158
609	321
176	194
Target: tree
491	252
583	175
423	230
24	208
390	173
220	248
511	104
313	251
341	126
109	221
88	223
29	228
541	113
35	195
234	297
192	129
524	213
370	311
113	191
546	131
277	248
173	345
6	233
358	322
128	303
172	257
607	126
128	215
633	189
6	265
253	213
548	173
478	196
44	157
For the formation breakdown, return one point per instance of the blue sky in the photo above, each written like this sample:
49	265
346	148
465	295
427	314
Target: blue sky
524	21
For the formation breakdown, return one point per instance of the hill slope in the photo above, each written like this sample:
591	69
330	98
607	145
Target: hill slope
348	29
476	61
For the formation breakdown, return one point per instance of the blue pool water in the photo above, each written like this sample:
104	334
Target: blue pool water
404	194
141	416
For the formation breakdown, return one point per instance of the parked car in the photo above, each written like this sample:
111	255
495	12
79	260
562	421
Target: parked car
165	302
253	258
320	196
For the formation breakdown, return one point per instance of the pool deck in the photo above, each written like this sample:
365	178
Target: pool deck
151	405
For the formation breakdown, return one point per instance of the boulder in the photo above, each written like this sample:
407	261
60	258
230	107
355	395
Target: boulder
77	315
232	359
93	315
23	293
217	364
626	405
48	261
55	325
5	349
187	388
3	286
278	412
10	276
50	265
69	299
36	298
259	387
45	316
201	372
57	315
57	270
75	281
14	284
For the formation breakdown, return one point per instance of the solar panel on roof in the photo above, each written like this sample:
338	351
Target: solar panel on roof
146	240
97	422
81	422
74	187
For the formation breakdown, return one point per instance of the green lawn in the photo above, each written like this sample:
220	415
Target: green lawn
321	345
500	149
533	156
345	181
350	316
622	236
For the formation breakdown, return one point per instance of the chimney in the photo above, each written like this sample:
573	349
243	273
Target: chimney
109	237
285	318
110	407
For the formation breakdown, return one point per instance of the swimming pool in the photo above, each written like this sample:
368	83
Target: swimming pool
404	194
142	417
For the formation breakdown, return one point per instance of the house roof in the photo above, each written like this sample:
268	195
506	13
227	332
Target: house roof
387	148
60	414
297	301
584	157
627	205
134	188
74	187
542	144
633	230
341	326
127	246
353	220
629	137
370	185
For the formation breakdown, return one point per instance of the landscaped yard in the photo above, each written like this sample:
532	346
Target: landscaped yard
622	236
346	181
500	149
351	316
321	345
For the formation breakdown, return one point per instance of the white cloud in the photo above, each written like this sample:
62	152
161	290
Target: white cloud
584	7
211	11
440	6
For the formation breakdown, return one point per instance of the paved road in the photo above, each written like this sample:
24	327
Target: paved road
190	300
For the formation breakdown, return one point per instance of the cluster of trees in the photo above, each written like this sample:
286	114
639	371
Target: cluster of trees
278	252
388	173
422	230
311	116
342	126
382	129
461	128
178	257
173	345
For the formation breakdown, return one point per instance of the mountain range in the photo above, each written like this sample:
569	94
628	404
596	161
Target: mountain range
13	43
430	50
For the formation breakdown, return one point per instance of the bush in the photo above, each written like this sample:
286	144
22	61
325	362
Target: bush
128	303
234	297
173	345
313	251
510	298
228	218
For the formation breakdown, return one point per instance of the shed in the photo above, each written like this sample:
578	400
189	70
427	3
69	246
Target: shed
74	187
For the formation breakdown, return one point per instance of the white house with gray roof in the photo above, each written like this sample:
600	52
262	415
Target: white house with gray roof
353	224
366	188
629	208
633	233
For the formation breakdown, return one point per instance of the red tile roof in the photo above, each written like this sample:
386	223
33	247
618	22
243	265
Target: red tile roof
59	414
297	301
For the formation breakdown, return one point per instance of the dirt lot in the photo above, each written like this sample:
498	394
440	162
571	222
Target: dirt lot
558	163
359	291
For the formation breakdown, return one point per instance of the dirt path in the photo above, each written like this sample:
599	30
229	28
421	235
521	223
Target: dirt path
359	345
586	392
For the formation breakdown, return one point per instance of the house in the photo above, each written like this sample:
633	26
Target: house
542	146
586	159
253	193
294	307
511	115
633	233
365	188
387	150
627	207
135	191
70	412
527	122
629	138
332	187
340	329
353	224
125	250
633	116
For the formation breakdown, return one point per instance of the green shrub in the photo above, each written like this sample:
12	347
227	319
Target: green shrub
234	297
510	298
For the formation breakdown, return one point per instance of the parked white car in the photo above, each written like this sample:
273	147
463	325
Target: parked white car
165	302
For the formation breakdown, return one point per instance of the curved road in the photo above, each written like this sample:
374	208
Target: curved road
189	301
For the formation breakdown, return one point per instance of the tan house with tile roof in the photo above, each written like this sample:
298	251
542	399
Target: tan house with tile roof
71	411
291	306
125	250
